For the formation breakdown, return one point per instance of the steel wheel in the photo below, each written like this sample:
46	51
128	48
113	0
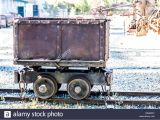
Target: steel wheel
79	88
45	87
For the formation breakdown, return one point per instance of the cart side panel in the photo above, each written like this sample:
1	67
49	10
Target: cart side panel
81	42
107	34
71	42
36	41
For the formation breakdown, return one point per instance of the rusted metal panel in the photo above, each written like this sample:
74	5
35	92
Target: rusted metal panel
66	42
80	42
66	63
37	41
107	34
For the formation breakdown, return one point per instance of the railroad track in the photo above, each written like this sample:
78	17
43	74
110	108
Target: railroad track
96	98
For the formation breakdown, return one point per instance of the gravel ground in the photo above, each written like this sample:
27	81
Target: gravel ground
45	105
134	60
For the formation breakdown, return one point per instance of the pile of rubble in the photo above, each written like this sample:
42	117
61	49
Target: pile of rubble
154	21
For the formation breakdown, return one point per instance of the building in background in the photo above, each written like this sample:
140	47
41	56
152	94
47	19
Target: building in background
41	4
8	6
26	8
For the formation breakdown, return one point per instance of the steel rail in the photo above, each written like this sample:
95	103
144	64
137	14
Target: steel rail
97	98
93	93
86	101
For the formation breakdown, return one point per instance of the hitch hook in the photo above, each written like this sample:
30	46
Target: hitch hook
22	84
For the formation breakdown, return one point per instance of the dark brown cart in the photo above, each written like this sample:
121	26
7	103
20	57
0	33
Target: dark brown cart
75	50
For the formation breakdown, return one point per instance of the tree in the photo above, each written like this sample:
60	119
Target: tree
158	3
53	6
106	3
129	0
82	7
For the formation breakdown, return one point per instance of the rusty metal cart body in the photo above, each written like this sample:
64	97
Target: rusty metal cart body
54	51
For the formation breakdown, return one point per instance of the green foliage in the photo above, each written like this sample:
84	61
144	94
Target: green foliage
82	7
53	7
106	3
129	0
158	3
110	2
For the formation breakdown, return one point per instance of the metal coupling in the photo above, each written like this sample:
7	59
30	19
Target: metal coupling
109	77
22	83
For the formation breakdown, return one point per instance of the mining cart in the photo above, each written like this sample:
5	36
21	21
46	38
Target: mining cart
56	51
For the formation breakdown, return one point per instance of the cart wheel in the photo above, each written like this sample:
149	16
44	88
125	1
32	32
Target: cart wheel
79	88
45	87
